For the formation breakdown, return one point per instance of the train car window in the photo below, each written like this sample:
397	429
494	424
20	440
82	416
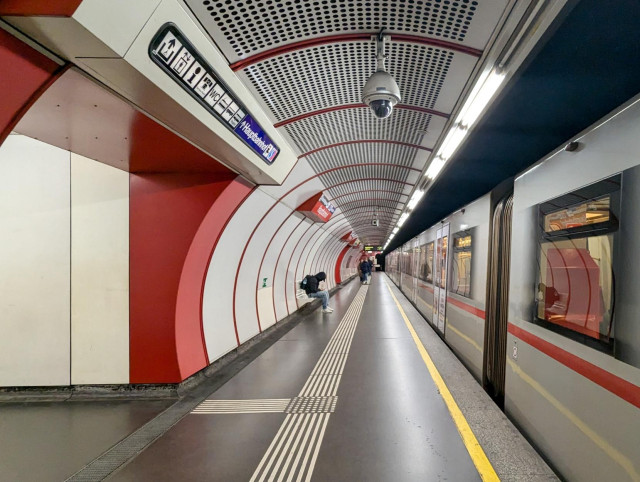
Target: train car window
425	264
461	268
575	287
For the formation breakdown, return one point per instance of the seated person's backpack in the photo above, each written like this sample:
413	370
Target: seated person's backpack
309	284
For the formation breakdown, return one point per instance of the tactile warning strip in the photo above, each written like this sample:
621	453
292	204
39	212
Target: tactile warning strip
277	405
293	452
312	405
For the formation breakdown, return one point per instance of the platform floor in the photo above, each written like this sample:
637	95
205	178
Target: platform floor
345	396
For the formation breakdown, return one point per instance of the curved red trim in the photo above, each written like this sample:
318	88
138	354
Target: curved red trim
369	191
295	273
275	270
286	276
372	141
339	264
355	106
386	199
348	166
353	37
264	255
380	208
195	269
607	380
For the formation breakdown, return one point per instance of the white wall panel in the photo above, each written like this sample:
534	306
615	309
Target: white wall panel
284	296
300	173
269	270
246	308
34	263
295	271
311	251
217	303
99	273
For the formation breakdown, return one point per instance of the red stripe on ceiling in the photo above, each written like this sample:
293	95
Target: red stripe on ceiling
165	213
190	341
613	383
466	307
25	8
26	76
354	37
368	191
356	106
341	256
369	141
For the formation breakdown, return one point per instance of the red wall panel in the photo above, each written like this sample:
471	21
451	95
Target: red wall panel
190	344
59	8
339	264
24	75
166	211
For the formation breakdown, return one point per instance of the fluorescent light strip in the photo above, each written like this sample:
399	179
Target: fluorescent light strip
415	199
473	108
402	219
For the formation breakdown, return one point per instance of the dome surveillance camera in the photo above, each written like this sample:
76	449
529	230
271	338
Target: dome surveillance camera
381	91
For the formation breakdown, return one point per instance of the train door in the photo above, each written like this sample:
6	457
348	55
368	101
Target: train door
497	303
440	277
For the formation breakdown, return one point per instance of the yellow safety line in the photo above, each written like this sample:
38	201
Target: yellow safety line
480	460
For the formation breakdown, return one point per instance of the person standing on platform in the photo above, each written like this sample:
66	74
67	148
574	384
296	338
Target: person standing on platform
365	269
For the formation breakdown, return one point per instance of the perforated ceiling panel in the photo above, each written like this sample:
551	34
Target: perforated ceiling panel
249	27
357	124
306	63
331	75
345	154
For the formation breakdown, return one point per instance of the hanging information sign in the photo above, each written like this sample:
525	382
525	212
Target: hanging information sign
173	53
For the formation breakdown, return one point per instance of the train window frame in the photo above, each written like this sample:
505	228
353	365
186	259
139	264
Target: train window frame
455	250
609	188
424	248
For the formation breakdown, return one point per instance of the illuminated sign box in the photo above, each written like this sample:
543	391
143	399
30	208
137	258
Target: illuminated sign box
373	248
317	208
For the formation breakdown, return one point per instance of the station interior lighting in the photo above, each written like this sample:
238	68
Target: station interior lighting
469	114
402	219
415	199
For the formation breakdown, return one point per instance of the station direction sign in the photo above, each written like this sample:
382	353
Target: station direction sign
173	53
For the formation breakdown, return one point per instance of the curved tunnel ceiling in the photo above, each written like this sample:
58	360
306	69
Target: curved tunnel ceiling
306	62
586	68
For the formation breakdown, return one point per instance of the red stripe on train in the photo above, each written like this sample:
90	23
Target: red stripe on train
616	385
471	309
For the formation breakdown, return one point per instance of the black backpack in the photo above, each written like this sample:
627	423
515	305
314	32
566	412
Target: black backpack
304	284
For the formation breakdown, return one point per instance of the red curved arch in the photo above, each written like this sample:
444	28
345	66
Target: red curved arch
368	191
314	42
372	141
356	106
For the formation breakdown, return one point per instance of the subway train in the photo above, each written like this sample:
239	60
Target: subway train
536	288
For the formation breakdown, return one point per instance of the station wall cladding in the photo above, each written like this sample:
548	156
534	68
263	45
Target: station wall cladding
126	260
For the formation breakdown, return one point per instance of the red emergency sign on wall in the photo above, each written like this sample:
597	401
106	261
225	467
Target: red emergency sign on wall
317	208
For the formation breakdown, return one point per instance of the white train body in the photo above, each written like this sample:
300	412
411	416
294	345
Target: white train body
569	352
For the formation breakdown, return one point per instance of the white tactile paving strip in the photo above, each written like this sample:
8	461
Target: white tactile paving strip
293	452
